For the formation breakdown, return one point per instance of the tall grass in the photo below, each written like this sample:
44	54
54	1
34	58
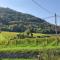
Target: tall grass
10	42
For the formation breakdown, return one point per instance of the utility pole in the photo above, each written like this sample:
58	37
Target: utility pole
56	23
56	29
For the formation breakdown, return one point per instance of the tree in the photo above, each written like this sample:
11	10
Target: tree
29	31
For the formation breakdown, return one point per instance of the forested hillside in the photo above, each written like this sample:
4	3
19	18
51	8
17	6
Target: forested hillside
11	20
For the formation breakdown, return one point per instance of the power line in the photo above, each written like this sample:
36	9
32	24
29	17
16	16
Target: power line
41	6
48	17
55	16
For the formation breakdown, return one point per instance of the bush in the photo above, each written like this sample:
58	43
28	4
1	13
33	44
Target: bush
20	36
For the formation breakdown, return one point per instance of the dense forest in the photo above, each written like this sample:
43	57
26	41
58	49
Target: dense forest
11	20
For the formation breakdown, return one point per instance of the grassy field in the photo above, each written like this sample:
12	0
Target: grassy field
11	43
16	59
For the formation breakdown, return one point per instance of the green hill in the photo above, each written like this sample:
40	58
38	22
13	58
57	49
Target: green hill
11	20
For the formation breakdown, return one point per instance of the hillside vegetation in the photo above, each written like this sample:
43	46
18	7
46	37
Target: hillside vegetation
24	36
14	45
12	41
11	20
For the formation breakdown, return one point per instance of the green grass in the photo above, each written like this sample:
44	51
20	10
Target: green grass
10	45
39	34
27	49
27	44
16	59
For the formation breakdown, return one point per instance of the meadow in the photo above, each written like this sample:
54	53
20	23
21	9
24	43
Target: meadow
10	42
16	59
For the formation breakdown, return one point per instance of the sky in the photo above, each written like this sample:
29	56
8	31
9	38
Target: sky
29	7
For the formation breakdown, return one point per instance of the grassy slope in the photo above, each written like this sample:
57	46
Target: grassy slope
5	36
